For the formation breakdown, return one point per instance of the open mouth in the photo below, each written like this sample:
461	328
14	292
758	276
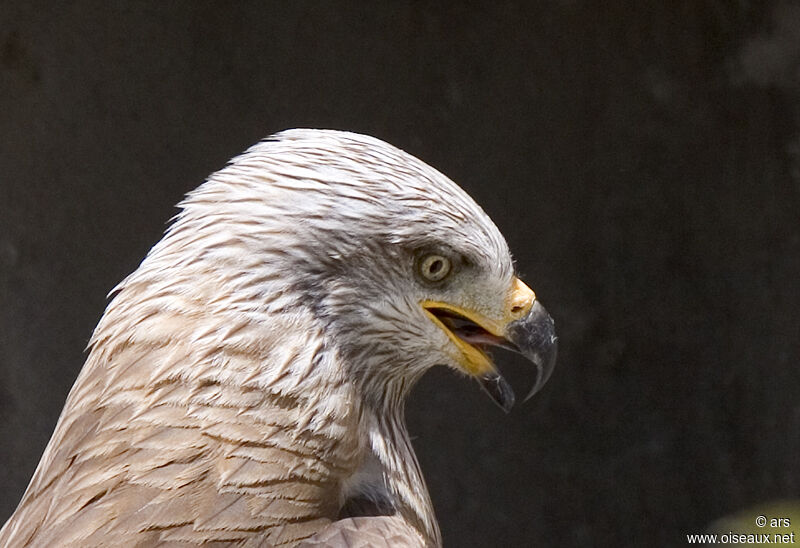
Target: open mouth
467	330
532	335
475	340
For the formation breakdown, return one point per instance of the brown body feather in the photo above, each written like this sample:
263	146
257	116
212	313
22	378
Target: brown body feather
146	453
249	377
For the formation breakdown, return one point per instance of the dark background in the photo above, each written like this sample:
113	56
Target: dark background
642	158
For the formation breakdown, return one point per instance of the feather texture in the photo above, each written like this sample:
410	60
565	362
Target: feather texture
248	378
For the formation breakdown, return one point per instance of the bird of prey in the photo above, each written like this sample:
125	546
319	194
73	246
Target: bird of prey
245	385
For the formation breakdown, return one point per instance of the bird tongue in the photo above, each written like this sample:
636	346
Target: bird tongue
479	337
473	334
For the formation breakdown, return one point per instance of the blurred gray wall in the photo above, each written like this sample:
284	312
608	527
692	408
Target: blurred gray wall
642	158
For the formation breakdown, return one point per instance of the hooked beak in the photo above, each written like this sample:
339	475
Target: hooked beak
526	328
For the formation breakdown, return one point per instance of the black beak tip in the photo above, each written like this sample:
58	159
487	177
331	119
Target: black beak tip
535	338
545	363
499	390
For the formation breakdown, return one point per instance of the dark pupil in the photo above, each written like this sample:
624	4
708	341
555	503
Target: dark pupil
435	266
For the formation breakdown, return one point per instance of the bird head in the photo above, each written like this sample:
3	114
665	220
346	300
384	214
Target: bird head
388	255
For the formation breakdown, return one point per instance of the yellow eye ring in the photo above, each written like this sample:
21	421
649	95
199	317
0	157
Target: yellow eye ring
435	268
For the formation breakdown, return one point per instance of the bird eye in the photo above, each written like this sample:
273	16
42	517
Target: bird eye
434	268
